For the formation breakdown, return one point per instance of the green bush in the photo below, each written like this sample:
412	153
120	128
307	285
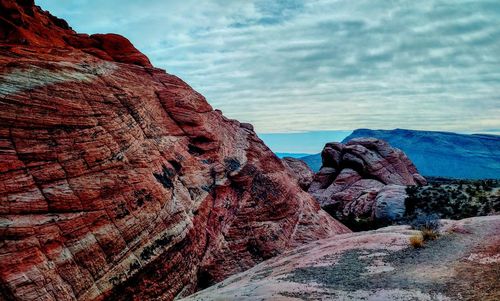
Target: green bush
453	199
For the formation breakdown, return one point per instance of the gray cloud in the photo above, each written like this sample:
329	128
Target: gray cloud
320	65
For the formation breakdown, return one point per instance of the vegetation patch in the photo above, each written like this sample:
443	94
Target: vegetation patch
453	199
142	196
121	211
428	225
349	273
417	240
149	251
429	234
356	224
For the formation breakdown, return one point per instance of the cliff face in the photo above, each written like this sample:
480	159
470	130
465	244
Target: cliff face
119	181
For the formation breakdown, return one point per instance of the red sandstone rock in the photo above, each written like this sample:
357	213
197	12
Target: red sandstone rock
120	49
353	179
24	23
332	154
300	171
387	164
323	178
118	181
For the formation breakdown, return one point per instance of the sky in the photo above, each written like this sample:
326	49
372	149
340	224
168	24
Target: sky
298	66
310	142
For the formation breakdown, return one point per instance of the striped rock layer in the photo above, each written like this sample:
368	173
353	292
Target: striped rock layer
119	181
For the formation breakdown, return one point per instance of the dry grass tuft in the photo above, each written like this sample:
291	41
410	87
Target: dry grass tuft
429	234
417	240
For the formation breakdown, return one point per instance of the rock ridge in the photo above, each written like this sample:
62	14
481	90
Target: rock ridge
118	181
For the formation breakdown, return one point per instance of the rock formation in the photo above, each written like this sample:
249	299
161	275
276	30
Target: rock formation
462	264
118	181
364	179
300	171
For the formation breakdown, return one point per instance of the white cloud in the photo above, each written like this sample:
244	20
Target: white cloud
319	65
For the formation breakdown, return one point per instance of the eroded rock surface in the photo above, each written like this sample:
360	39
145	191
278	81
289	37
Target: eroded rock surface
300	171
119	181
364	179
462	264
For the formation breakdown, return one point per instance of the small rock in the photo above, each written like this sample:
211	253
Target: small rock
300	171
247	126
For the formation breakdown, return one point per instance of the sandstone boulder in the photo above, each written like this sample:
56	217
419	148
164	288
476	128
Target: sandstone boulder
323	178
364	179
118	181
390	203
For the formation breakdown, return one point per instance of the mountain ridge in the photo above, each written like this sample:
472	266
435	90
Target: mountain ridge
439	153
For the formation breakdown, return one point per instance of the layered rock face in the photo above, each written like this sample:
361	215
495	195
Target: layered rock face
118	181
364	178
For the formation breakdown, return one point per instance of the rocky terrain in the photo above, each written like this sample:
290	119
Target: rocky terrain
438	154
300	171
119	182
364	181
463	263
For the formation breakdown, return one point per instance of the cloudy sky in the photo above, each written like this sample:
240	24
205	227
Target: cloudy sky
291	66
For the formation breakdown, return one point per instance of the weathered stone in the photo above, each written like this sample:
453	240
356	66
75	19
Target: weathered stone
332	154
387	164
378	265
300	171
365	167
390	203
323	178
247	126
118	181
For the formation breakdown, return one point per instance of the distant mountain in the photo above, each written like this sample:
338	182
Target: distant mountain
306	143
440	154
314	161
293	155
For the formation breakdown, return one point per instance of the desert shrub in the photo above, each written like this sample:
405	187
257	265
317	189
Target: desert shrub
417	241
429	234
426	222
453	199
428	225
